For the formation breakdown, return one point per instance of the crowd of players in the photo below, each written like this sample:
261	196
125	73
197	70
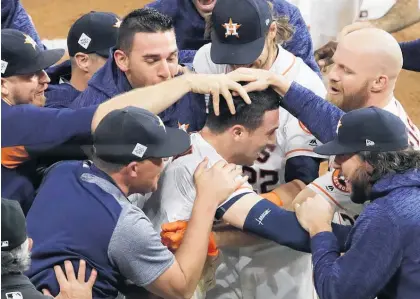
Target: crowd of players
177	154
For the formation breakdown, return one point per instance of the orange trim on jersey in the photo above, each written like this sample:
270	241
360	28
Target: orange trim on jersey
329	196
299	150
290	66
12	157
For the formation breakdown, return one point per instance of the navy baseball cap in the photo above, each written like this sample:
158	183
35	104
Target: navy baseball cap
367	129
95	32
20	55
135	134
13	225
239	30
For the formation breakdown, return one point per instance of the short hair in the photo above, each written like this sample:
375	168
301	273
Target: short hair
147	20
249	116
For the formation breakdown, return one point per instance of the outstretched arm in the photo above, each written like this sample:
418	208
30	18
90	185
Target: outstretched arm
403	14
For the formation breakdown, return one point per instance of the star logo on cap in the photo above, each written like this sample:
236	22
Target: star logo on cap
231	28
117	23
161	124
29	40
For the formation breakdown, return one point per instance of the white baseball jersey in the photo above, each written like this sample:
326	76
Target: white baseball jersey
326	18
176	194
269	270
333	188
293	139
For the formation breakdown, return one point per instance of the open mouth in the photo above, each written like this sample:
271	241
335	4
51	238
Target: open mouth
334	90
205	5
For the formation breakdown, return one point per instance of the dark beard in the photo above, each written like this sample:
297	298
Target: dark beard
361	187
355	100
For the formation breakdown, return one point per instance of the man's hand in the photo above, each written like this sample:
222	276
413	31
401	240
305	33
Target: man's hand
218	181
323	56
315	215
221	84
264	80
70	286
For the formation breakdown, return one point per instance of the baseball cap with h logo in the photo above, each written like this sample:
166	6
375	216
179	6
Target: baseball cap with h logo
239	30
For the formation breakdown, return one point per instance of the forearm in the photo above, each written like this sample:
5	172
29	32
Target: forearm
265	219
403	14
318	115
154	98
227	236
287	192
192	253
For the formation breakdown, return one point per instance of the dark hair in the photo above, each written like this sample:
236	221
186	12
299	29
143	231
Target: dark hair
146	20
384	163
249	116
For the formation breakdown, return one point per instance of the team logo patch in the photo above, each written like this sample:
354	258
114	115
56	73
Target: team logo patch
4	244
231	28
338	181
304	128
84	40
14	295
3	66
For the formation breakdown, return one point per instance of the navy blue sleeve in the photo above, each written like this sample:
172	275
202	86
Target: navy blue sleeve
302	168
23	23
301	42
411	55
372	259
269	221
186	56
43	128
167	7
318	115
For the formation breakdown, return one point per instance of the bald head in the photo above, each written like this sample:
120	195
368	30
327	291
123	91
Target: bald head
376	49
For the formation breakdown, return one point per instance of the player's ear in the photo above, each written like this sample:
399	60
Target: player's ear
380	83
238	132
82	61
4	88
121	59
133	169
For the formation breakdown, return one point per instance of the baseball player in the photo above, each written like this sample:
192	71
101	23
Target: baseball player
144	57
88	42
354	83
237	139
191	16
235	44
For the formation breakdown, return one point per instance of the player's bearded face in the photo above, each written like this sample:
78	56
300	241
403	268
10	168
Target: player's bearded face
360	186
356	176
347	98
